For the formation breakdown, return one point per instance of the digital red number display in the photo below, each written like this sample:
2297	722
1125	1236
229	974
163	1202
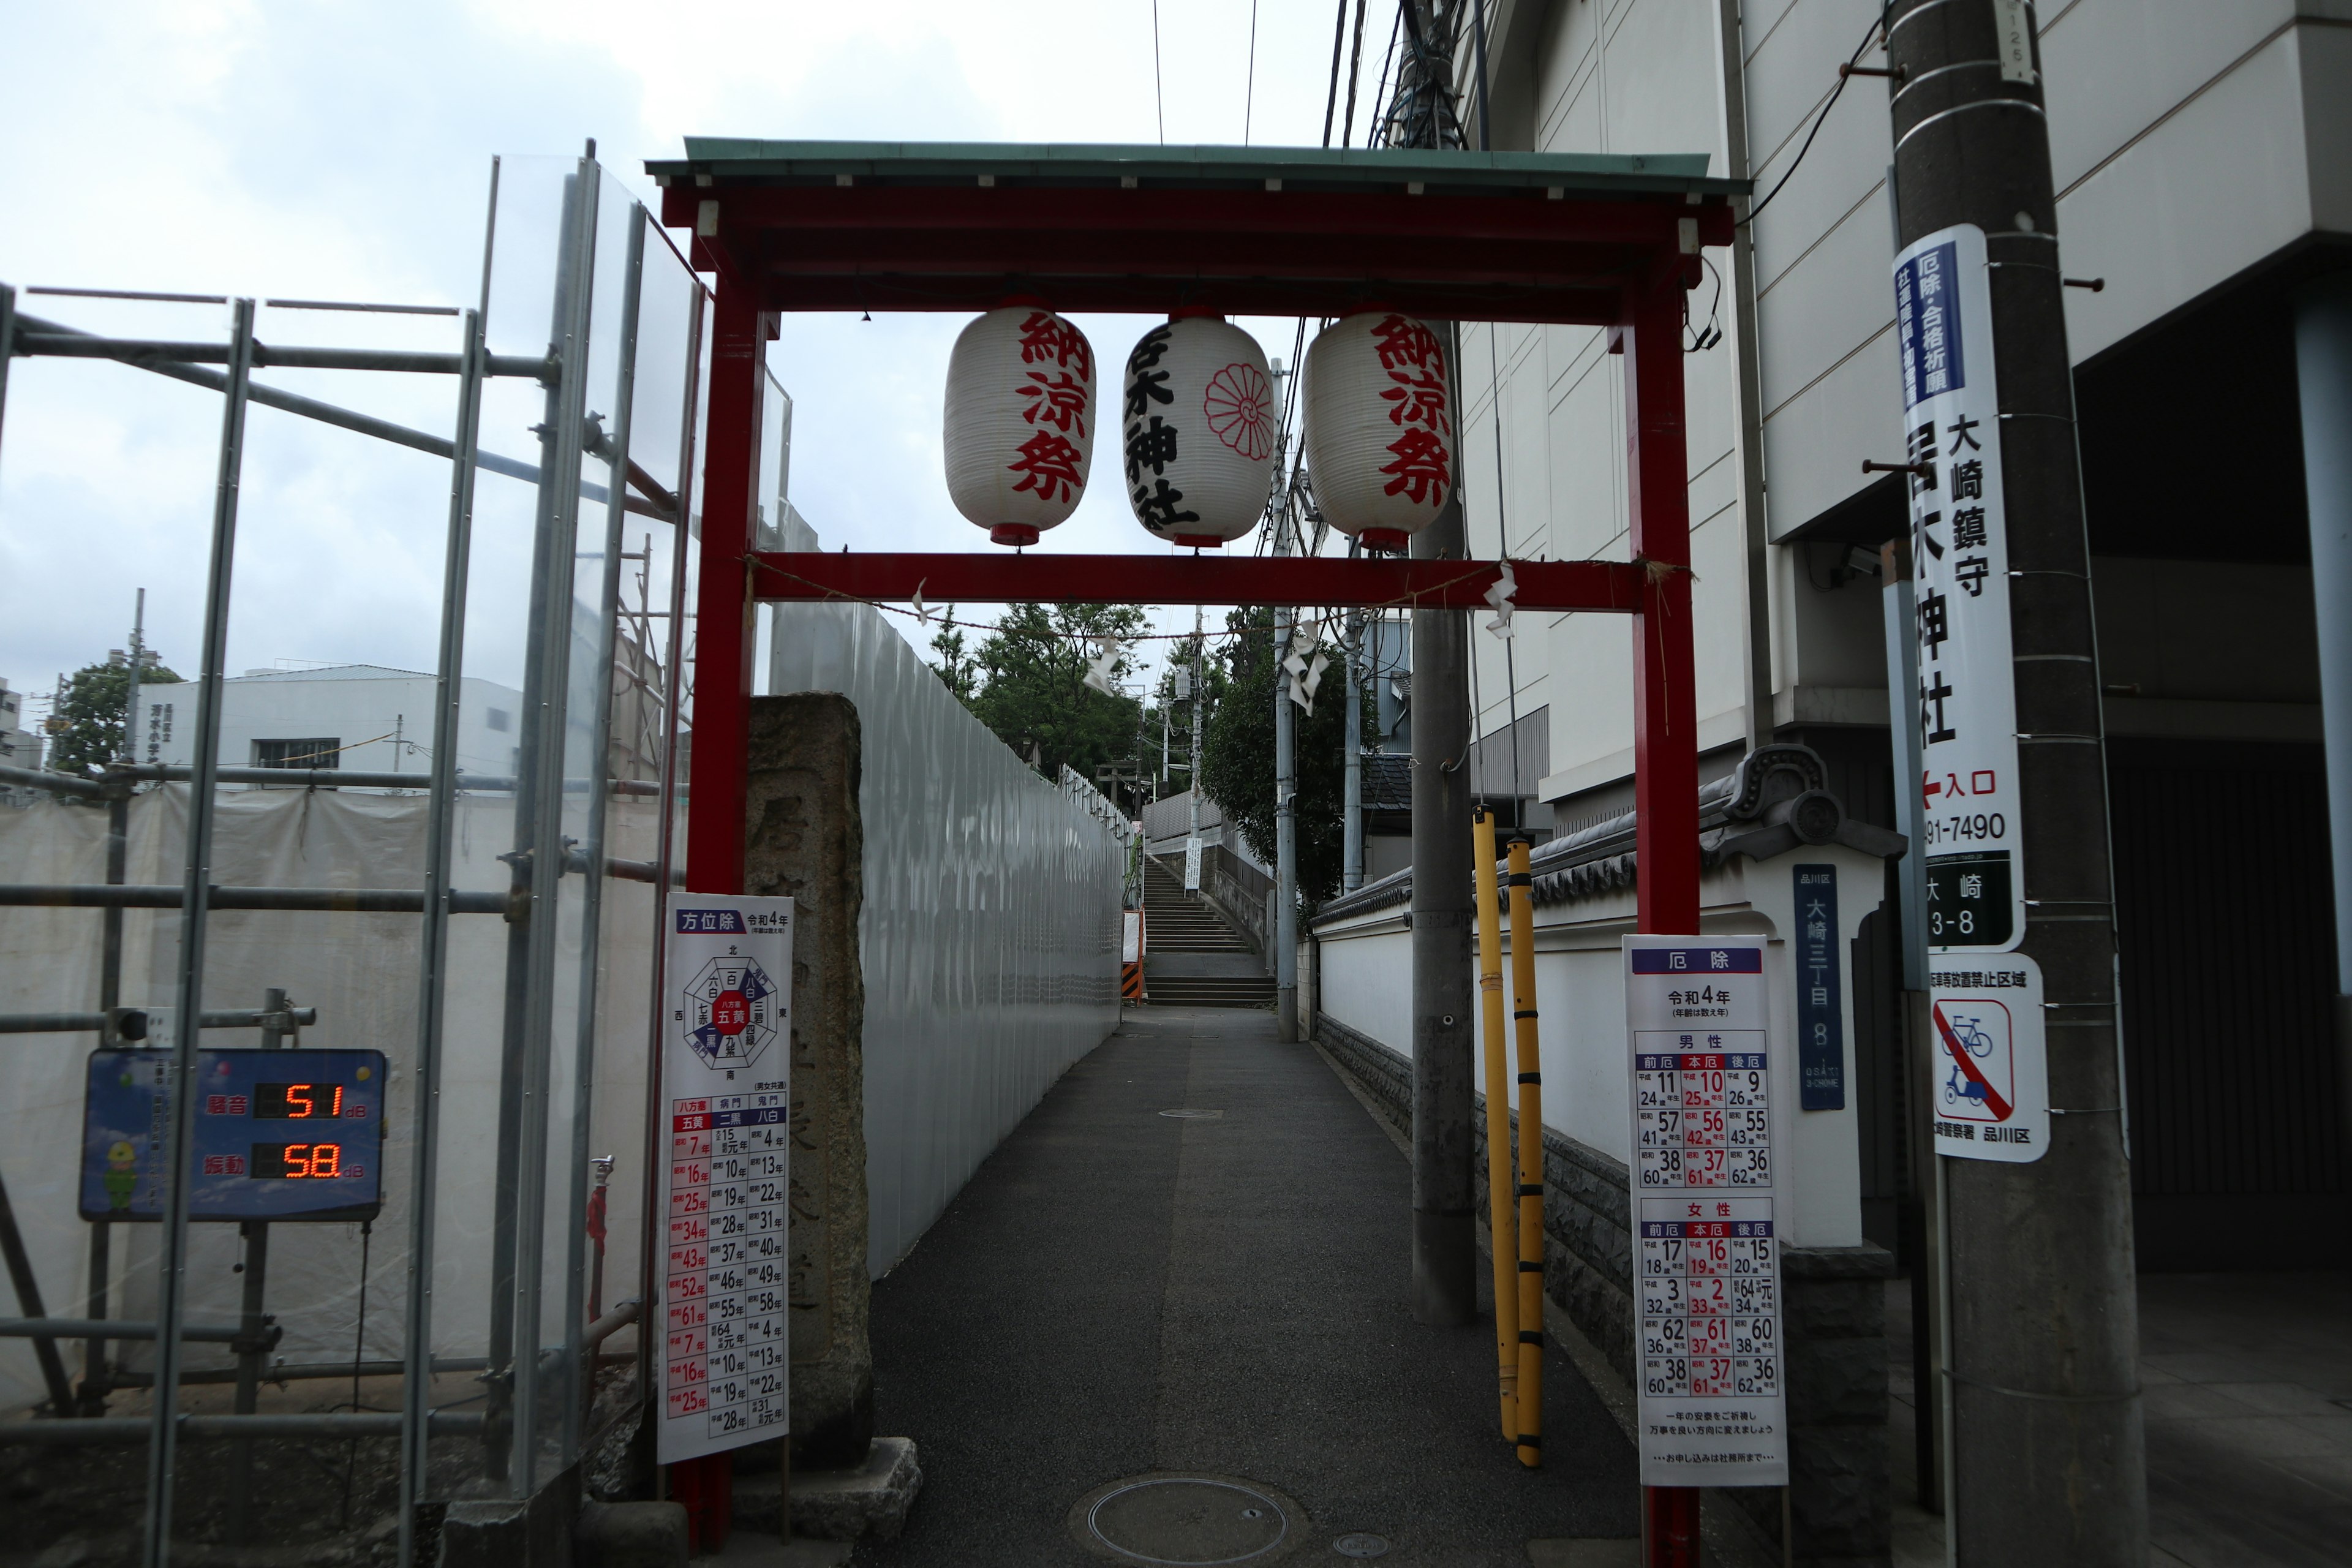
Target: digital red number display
291	1161
294	1101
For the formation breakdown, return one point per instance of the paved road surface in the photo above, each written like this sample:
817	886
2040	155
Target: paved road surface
1118	1292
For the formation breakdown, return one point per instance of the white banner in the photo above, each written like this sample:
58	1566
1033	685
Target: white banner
1992	1059
1710	1110
1959	552
726	1088
1192	864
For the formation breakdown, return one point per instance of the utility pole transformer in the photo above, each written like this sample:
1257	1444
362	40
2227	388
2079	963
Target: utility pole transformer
2050	1457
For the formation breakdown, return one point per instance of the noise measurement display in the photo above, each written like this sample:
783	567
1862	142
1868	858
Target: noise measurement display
277	1135
296	1101
294	1161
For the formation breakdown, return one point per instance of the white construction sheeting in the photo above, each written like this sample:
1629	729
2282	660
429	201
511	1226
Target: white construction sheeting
990	935
360	972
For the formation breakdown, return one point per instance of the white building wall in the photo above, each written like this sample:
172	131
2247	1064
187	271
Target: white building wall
1366	983
349	708
2192	140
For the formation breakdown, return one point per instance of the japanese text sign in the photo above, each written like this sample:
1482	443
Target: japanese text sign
1991	1099
1960	553
1707	1260
724	1338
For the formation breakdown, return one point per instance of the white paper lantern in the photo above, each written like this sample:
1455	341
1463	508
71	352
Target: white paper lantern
1379	426
1197	431
1020	421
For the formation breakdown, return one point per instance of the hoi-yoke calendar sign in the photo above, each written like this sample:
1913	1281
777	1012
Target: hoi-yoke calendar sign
1708	1109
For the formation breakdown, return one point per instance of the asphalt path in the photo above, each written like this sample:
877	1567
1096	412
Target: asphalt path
1118	1292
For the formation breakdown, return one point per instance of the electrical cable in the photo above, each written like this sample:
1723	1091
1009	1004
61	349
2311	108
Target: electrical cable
1331	95
1835	92
1249	83
1355	75
1377	133
1159	96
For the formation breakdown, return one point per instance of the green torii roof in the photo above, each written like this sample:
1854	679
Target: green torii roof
733	159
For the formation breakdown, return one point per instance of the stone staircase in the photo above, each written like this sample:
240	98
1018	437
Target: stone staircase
1193	958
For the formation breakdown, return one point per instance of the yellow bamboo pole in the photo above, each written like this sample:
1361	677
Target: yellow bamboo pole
1498	1124
1529	1389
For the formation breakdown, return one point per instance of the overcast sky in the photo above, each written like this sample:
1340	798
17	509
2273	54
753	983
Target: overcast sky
342	151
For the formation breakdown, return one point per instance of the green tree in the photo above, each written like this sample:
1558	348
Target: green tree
957	670
1237	752
1026	681
86	728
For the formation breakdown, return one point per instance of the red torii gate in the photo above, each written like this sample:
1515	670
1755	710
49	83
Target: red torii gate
1608	241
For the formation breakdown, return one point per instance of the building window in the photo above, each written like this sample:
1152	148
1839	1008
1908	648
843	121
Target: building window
316	753
497	717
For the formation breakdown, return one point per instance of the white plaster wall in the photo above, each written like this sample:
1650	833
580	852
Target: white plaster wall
1366	984
2190	140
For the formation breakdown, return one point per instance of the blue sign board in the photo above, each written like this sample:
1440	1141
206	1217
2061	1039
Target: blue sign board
1821	1021
279	1135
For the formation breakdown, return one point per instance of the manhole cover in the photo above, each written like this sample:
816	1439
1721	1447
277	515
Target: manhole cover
1190	1112
1362	1544
1190	1521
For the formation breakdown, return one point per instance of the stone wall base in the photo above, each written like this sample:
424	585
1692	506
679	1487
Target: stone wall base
1840	1500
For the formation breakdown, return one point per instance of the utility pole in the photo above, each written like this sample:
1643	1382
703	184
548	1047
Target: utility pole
1284	934
1351	841
1444	1233
131	696
1200	717
2049	1457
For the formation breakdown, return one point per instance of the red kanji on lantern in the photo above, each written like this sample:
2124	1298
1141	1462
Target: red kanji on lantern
1419	466
1059	403
1402	341
1050	466
1045	336
1416	400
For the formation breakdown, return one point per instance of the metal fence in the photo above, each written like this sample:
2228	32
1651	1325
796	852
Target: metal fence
517	915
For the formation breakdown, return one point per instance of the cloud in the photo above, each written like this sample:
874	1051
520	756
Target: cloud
341	151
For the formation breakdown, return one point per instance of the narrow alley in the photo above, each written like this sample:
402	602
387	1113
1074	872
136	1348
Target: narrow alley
1190	1260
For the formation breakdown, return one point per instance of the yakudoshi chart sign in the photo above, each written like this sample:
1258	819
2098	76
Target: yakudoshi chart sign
1960	553
1707	1112
725	1087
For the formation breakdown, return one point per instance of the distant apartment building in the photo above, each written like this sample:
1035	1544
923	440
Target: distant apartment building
356	718
19	747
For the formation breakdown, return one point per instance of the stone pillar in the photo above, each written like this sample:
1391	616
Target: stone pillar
803	839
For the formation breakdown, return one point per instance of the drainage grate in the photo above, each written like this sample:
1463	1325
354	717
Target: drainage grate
1190	1113
1362	1544
1187	1521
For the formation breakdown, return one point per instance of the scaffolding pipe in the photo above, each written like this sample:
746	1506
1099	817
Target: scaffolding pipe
302	1372
158	896
659	503
139	1429
124	1021
1502	1232
77	1328
188	982
1531	1157
433	940
111	784
79	346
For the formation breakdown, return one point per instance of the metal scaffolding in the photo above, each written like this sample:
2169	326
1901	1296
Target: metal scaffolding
609	259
